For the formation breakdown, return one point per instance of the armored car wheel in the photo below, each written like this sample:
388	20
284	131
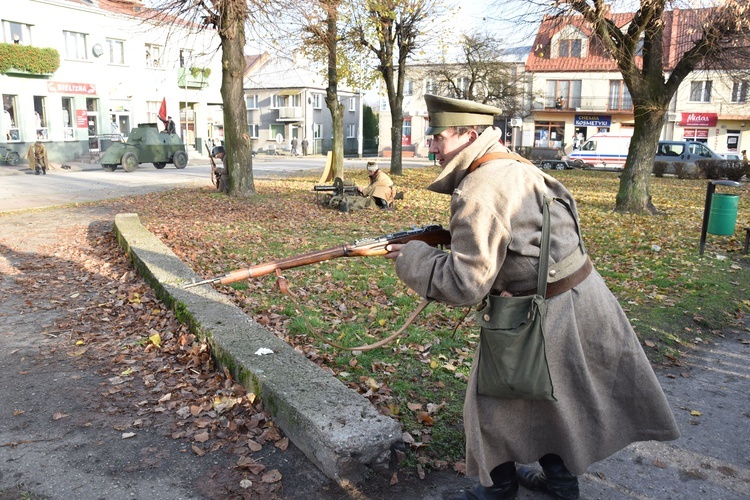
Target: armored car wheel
180	159
14	158
559	166
546	165
129	162
159	164
109	168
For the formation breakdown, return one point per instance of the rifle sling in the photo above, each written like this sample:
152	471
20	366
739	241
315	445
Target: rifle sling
284	288
497	156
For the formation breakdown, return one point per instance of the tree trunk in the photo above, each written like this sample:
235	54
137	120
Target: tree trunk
397	149
332	98
236	138
633	195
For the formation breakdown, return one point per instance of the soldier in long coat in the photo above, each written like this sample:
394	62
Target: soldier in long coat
37	156
607	393
381	187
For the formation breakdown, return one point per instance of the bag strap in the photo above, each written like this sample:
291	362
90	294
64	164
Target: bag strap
541	283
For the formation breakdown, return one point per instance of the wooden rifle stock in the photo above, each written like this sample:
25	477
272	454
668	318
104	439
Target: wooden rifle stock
433	235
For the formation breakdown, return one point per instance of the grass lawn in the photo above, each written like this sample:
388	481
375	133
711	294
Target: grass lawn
674	297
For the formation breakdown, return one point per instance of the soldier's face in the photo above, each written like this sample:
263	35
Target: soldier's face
447	144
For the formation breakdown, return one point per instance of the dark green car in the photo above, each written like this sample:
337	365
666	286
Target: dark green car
145	145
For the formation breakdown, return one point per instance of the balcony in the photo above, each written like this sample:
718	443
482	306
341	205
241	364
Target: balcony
290	114
192	78
586	104
28	61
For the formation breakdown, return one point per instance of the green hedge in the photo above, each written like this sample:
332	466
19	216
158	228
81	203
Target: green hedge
38	61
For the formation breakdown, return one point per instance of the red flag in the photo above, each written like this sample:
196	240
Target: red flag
163	110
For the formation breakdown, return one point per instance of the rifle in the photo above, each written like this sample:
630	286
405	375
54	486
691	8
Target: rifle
433	235
214	180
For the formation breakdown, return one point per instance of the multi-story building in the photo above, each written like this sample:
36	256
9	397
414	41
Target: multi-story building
573	89
578	91
115	69
286	100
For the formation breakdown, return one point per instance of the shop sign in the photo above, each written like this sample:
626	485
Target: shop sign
82	118
699	119
593	121
71	88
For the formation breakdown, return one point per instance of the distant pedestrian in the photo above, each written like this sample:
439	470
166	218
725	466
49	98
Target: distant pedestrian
744	155
294	146
304	146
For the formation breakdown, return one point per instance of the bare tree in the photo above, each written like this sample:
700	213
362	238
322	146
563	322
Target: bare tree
228	18
393	30
479	74
715	37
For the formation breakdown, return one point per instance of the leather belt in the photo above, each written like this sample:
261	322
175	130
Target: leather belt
565	284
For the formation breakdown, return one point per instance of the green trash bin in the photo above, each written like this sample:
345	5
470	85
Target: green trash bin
431	156
723	215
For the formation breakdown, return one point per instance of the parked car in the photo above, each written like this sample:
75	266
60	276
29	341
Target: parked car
606	149
731	156
145	145
687	152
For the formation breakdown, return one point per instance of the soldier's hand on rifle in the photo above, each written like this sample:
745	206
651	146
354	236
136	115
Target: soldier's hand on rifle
394	250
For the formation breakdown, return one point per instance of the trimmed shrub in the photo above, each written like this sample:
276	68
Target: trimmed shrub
660	168
684	171
712	169
734	170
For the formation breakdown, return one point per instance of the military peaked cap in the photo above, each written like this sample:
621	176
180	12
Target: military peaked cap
446	112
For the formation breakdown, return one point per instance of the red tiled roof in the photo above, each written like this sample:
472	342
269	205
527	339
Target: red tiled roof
679	31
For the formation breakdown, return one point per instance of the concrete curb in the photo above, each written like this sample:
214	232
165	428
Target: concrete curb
338	430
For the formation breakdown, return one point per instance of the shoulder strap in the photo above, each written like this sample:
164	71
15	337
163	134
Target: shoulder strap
497	156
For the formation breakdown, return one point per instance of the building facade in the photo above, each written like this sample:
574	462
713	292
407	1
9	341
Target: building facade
116	68
286	100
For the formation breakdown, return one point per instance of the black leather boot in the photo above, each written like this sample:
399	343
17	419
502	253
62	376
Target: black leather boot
36	170
554	479
504	485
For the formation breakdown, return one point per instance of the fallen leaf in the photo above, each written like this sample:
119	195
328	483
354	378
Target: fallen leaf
273	476
128	435
58	415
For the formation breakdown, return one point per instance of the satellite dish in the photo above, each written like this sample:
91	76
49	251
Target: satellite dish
279	138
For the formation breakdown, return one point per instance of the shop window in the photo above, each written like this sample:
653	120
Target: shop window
10	118
40	118
17	33
153	55
700	91
549	134
75	45
68	115
116	50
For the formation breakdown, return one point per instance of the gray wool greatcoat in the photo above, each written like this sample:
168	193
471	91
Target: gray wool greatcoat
607	393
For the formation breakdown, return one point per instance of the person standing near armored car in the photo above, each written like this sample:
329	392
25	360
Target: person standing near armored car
606	395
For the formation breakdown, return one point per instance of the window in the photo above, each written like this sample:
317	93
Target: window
352	104
251	101
116	50
740	90
186	56
700	91
317	101
296	100
408	87
277	130
10	123
430	86
619	96
462	87
351	131
563	94
153	55
278	101
68	116
40	117
317	130
549	134
17	33
253	128
569	48
75	45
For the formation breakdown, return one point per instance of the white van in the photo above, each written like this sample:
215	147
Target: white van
684	151
606	149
